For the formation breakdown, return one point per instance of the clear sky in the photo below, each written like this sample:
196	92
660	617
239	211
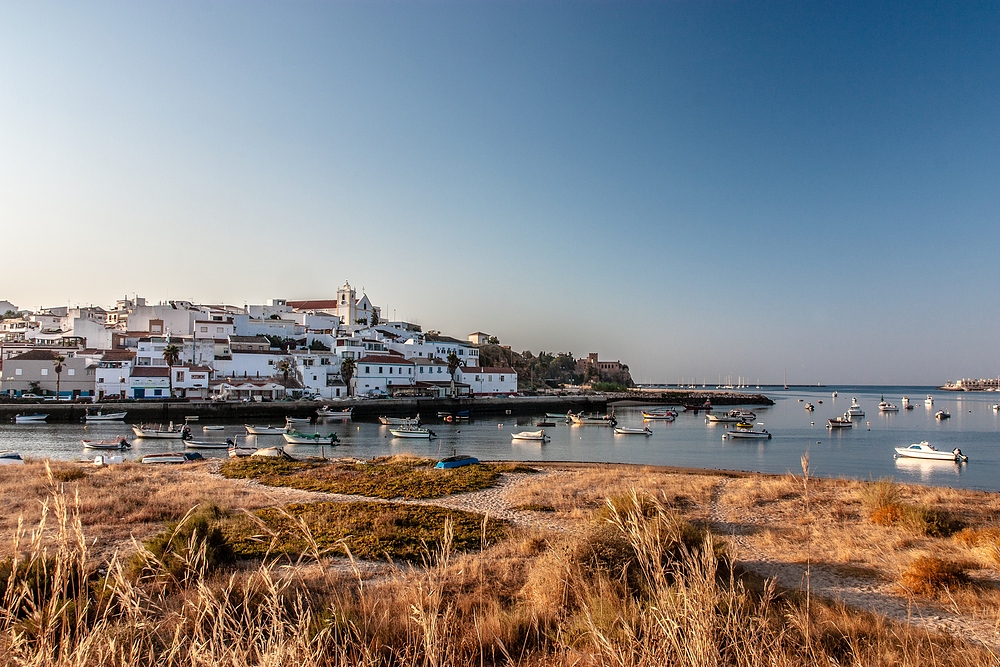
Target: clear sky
695	188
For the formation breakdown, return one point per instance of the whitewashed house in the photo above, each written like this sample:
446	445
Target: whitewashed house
114	368
489	381
149	382
375	374
191	381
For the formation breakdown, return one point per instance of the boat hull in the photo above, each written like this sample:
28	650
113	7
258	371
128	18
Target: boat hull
153	433
403	433
110	417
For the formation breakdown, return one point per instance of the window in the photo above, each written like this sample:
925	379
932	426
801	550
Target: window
390	370
491	378
368	369
71	371
180	376
501	378
157	392
379	369
409	371
421	370
45	371
17	371
204	329
100	380
439	370
219	330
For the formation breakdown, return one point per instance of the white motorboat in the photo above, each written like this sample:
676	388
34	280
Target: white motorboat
834	394
924	450
265	430
209	444
855	409
297	421
929	401
113	443
271	452
36	418
101	416
995	407
411	432
624	430
750	434
169	433
810	407
296	438
906	402
530	435
9	458
327	413
886	406
942	414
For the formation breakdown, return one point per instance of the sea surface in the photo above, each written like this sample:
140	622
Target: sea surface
862	452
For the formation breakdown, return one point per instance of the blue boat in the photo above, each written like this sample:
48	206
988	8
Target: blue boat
457	461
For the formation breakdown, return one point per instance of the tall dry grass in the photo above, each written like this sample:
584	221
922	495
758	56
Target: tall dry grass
531	600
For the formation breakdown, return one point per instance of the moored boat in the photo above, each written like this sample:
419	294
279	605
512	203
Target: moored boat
113	443
661	415
886	406
929	401
399	421
706	406
925	450
411	432
296	438
297	421
213	428
855	409
154	431
750	434
530	435
209	444
326	412
170	457
240	452
36	418
592	420
264	430
810	407
624	430
942	414
101	416
840	422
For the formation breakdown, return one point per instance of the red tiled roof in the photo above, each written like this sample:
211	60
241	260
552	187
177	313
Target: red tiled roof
313	304
487	369
380	359
118	355
35	355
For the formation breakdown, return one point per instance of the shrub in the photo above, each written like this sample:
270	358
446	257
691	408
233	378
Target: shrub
927	575
187	548
880	494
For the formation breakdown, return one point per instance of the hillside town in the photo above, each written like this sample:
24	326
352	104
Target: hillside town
324	349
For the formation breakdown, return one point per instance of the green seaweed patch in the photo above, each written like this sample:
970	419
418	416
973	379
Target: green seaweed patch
369	530
388	477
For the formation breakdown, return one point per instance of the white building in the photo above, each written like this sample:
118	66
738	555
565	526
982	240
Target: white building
149	382
191	381
114	368
489	381
374	374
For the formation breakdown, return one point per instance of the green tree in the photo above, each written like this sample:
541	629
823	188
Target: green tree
347	367
171	355
493	340
453	363
58	361
285	365
374	319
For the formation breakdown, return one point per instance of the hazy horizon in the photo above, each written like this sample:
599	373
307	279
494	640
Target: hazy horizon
697	189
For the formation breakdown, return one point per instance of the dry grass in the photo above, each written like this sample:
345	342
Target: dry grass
927	575
529	600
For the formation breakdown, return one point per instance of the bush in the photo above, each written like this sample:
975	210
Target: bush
187	548
927	575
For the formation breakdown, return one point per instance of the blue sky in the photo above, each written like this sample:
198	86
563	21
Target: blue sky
698	189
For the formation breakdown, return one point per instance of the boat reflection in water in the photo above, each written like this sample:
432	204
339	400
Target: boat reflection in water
929	471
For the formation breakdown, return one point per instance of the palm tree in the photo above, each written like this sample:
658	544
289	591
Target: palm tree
58	361
284	366
453	363
171	355
347	372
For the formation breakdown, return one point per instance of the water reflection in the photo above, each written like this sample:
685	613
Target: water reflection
928	471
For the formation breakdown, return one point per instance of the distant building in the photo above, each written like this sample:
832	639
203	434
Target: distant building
34	371
479	338
488	381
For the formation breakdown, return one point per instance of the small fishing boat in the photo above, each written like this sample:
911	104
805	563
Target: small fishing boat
834	394
593	420
297	421
399	421
530	435
154	431
117	444
750	434
855	409
555	415
929	401
209	444
942	414
661	415
100	416
9	458
706	406
265	430
36	418
810	407
906	403
170	457
213	428
545	424
296	438
326	412
995	407
240	452
456	461
924	450
411	432
624	430
840	422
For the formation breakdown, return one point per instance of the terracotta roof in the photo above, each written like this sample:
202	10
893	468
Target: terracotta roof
35	355
150	372
259	338
314	304
487	369
118	355
380	359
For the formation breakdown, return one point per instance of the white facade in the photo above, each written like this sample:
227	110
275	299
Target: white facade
488	381
191	381
374	374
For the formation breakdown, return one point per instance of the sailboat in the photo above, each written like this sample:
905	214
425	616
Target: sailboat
785	380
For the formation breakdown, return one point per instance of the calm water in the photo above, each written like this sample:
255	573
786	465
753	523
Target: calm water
865	451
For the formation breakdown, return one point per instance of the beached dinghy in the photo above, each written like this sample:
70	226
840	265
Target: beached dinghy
36	418
456	461
119	444
9	458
